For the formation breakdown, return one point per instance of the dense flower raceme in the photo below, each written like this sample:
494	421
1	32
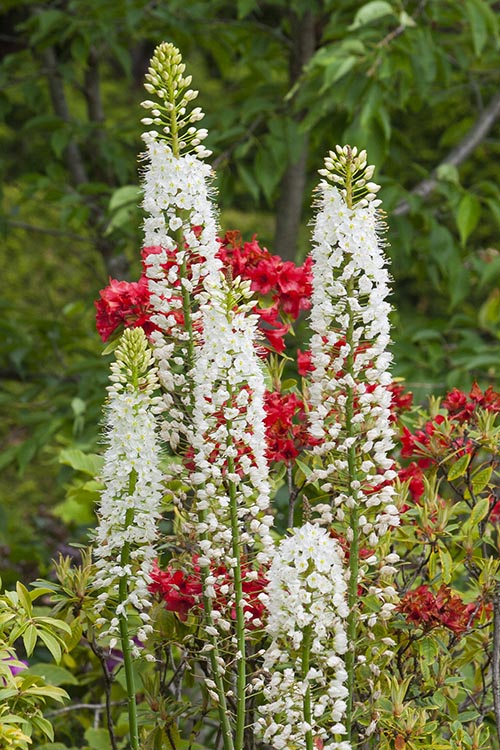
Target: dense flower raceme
129	505
176	187
306	610
182	591
350	399
230	477
445	609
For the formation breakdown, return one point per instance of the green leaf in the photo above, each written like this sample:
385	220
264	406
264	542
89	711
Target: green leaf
446	564
459	468
29	639
122	205
371	12
448	173
54	675
467	216
483	24
52	644
87	463
43	725
245	7
24	598
478	512
481	479
98	739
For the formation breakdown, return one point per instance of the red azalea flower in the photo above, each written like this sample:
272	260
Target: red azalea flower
123	303
457	405
401	401
264	275
182	591
413	472
444	609
286	426
179	590
304	362
489	400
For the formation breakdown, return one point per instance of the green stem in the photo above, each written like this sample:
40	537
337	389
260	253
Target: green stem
240	618
306	654
124	631
227	733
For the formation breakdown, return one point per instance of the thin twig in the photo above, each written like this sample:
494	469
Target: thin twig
82	707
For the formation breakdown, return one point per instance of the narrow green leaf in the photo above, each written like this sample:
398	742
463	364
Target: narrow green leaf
478	512
467	216
52	644
24	598
29	639
446	564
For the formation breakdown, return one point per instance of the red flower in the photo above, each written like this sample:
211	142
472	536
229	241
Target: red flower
458	406
494	516
401	401
182	591
444	609
179	590
286	426
123	303
413	472
304	362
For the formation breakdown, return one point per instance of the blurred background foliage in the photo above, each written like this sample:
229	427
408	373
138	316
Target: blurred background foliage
282	81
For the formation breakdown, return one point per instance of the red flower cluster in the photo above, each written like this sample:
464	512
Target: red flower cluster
286	438
462	408
443	433
444	609
288	285
401	400
182	591
415	475
123	303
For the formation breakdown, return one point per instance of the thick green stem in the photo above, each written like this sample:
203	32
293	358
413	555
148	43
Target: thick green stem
240	615
306	653
124	631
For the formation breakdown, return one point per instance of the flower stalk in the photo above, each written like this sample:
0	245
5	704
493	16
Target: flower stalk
350	398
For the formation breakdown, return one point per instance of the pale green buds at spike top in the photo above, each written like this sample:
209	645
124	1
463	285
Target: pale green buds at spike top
170	112
350	172
134	368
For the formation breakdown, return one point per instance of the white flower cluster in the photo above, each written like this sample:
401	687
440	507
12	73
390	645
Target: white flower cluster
181	232
306	602
231	475
350	399
130	502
